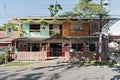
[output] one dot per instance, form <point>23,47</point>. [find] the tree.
<point>54,8</point>
<point>85,9</point>
<point>4,26</point>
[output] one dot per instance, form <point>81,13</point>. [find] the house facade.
<point>41,38</point>
<point>6,42</point>
<point>6,39</point>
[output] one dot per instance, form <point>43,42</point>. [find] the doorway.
<point>92,47</point>
<point>55,49</point>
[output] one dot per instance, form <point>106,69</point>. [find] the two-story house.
<point>45,37</point>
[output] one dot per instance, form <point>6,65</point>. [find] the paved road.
<point>61,71</point>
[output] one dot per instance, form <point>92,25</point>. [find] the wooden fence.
<point>31,56</point>
<point>42,56</point>
<point>35,56</point>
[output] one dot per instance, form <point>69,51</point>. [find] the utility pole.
<point>100,26</point>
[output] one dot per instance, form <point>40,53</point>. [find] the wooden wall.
<point>66,30</point>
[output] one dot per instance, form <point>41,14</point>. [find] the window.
<point>33,46</point>
<point>94,27</point>
<point>55,29</point>
<point>76,26</point>
<point>77,47</point>
<point>9,29</point>
<point>92,47</point>
<point>34,27</point>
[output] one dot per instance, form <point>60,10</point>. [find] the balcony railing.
<point>34,30</point>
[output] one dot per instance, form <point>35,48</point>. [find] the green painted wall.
<point>44,31</point>
<point>25,28</point>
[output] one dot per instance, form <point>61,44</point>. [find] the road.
<point>61,71</point>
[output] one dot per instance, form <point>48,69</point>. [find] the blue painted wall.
<point>44,31</point>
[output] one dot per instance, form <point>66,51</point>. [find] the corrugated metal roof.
<point>4,38</point>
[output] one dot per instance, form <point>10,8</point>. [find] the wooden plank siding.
<point>66,30</point>
<point>85,29</point>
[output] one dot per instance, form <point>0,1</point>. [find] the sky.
<point>19,8</point>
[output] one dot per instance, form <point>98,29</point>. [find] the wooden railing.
<point>31,56</point>
<point>42,56</point>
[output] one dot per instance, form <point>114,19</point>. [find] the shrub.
<point>2,58</point>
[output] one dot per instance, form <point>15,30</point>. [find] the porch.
<point>85,47</point>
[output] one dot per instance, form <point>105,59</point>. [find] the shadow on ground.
<point>116,77</point>
<point>36,73</point>
<point>48,72</point>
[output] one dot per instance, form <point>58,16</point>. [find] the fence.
<point>41,56</point>
<point>31,56</point>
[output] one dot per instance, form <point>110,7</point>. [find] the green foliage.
<point>19,63</point>
<point>4,26</point>
<point>54,9</point>
<point>22,32</point>
<point>86,1</point>
<point>5,55</point>
<point>69,14</point>
<point>86,9</point>
<point>2,58</point>
<point>96,63</point>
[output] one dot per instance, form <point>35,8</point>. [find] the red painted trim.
<point>4,44</point>
<point>63,54</point>
<point>48,54</point>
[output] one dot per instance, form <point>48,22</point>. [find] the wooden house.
<point>41,38</point>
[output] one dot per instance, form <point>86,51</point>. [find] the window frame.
<point>77,46</point>
<point>76,26</point>
<point>31,29</point>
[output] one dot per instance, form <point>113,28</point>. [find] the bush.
<point>2,58</point>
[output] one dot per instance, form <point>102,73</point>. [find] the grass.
<point>97,63</point>
<point>19,63</point>
<point>88,63</point>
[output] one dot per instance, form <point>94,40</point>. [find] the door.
<point>55,49</point>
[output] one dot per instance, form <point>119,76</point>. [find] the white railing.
<point>31,56</point>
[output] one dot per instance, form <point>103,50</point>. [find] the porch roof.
<point>60,38</point>
<point>29,39</point>
<point>5,39</point>
<point>56,38</point>
<point>84,38</point>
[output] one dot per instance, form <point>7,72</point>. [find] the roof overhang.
<point>107,22</point>
<point>28,39</point>
<point>5,42</point>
